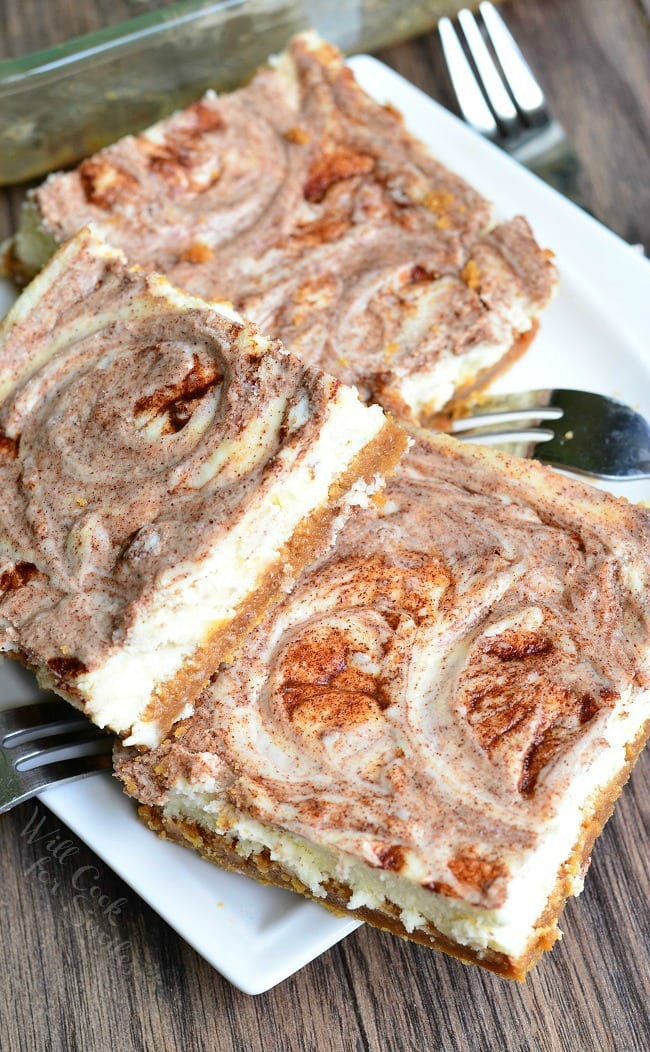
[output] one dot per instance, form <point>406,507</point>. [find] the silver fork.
<point>499,97</point>
<point>44,744</point>
<point>582,432</point>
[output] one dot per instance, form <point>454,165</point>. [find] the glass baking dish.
<point>65,102</point>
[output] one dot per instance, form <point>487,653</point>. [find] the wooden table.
<point>62,990</point>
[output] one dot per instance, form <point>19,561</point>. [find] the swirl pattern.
<point>138,425</point>
<point>329,225</point>
<point>421,697</point>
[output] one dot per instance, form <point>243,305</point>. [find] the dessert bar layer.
<point>165,471</point>
<point>315,211</point>
<point>432,728</point>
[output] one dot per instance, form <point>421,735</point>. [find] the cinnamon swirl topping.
<point>427,695</point>
<point>313,209</point>
<point>144,430</point>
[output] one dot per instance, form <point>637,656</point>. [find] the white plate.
<point>595,336</point>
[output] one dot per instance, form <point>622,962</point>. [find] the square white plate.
<point>595,336</point>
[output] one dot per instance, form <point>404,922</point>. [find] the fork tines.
<point>46,743</point>
<point>580,431</point>
<point>494,85</point>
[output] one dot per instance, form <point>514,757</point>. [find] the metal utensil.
<point>499,97</point>
<point>582,432</point>
<point>44,744</point>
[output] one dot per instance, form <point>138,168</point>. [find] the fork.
<point>500,98</point>
<point>32,738</point>
<point>578,431</point>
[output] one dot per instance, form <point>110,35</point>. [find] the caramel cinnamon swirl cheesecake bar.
<point>430,731</point>
<point>315,211</point>
<point>165,471</point>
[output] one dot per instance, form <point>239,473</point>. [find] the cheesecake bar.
<point>431,730</point>
<point>315,211</point>
<point>165,472</point>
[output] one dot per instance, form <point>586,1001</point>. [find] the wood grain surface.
<point>74,980</point>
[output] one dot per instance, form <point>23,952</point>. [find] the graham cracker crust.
<point>215,848</point>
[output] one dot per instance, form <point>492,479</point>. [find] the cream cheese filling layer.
<point>203,596</point>
<point>509,929</point>
<point>430,390</point>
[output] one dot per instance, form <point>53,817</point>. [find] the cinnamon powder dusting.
<point>66,668</point>
<point>391,858</point>
<point>179,400</point>
<point>332,166</point>
<point>8,446</point>
<point>17,576</point>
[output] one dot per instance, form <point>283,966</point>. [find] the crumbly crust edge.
<point>443,418</point>
<point>217,849</point>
